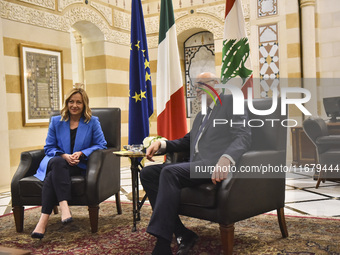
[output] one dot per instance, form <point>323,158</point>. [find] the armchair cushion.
<point>78,186</point>
<point>31,186</point>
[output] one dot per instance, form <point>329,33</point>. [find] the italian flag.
<point>171,116</point>
<point>235,51</point>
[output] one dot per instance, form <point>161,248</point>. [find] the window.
<point>199,56</point>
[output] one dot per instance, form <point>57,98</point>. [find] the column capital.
<point>78,37</point>
<point>304,3</point>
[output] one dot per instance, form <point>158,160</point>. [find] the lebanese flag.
<point>171,116</point>
<point>235,51</point>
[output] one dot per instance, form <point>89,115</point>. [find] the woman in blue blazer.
<point>71,138</point>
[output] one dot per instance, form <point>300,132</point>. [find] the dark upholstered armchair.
<point>327,148</point>
<point>102,178</point>
<point>244,195</point>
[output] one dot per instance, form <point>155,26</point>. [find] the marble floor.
<point>302,198</point>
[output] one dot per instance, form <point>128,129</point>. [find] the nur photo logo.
<point>287,95</point>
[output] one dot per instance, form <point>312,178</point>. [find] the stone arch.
<point>77,13</point>
<point>89,30</point>
<point>187,26</point>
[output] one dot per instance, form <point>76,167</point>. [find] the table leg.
<point>135,188</point>
<point>137,205</point>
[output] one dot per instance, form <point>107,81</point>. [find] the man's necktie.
<point>200,130</point>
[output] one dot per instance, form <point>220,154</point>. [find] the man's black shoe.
<point>162,247</point>
<point>186,243</point>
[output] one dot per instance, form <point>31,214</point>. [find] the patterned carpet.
<point>258,235</point>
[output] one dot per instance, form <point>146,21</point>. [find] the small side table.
<point>136,167</point>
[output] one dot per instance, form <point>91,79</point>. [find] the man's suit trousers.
<point>57,184</point>
<point>163,184</point>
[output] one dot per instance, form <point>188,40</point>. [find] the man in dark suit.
<point>219,145</point>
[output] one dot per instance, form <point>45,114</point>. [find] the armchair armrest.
<point>29,163</point>
<point>323,143</point>
<point>261,164</point>
<point>176,157</point>
<point>246,194</point>
<point>103,175</point>
<point>328,140</point>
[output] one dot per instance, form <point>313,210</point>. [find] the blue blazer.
<point>89,138</point>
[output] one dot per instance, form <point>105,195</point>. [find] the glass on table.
<point>136,147</point>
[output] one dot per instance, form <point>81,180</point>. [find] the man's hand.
<point>221,170</point>
<point>153,148</point>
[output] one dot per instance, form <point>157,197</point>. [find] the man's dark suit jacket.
<point>215,141</point>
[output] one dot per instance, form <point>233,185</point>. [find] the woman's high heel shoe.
<point>66,221</point>
<point>37,235</point>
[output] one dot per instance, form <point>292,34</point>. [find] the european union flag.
<point>140,94</point>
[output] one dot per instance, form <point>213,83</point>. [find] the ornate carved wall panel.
<point>180,14</point>
<point>152,41</point>
<point>187,22</point>
<point>71,11</point>
<point>62,4</point>
<point>152,25</point>
<point>42,3</point>
<point>215,11</point>
<point>212,25</point>
<point>104,10</point>
<point>269,58</point>
<point>63,23</point>
<point>122,20</point>
<point>31,16</point>
<point>266,8</point>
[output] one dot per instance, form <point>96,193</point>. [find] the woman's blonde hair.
<point>65,112</point>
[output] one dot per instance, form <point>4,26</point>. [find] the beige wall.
<point>328,50</point>
<point>328,38</point>
<point>118,82</point>
<point>22,138</point>
<point>4,134</point>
